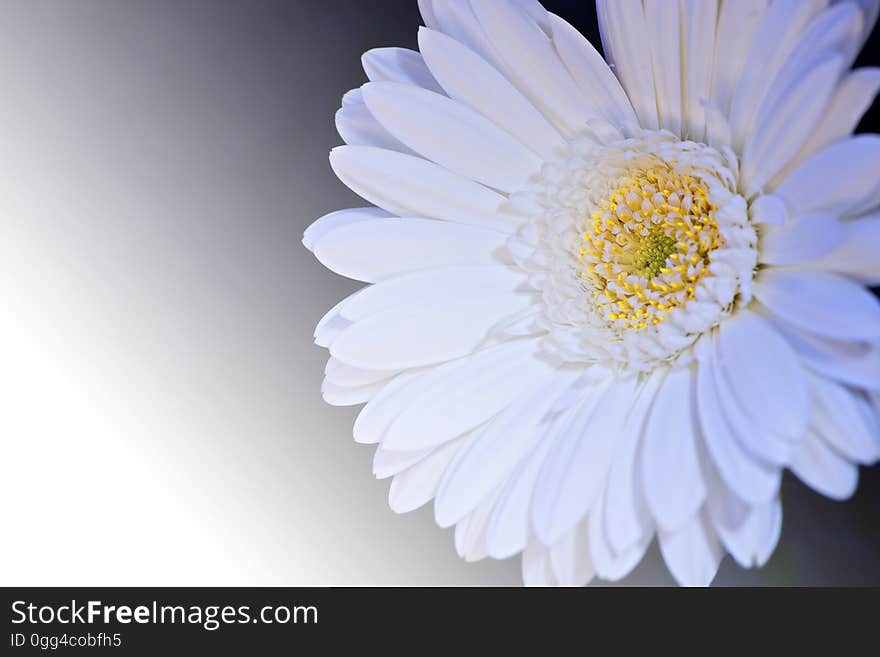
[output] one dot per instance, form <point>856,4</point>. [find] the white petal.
<point>844,419</point>
<point>536,566</point>
<point>472,145</point>
<point>737,22</point>
<point>508,529</point>
<point>849,362</point>
<point>410,186</point>
<point>768,209</point>
<point>821,303</point>
<point>592,74</point>
<point>530,58</point>
<point>805,240</point>
<point>456,19</point>
<point>388,463</point>
<point>382,248</point>
<point>626,43</point>
<point>334,220</point>
<point>417,484</point>
<point>824,470</point>
<point>837,178</point>
<point>856,256</point>
<point>576,470</point>
<point>749,533</point>
<point>627,519</point>
<point>692,553</point>
<point>398,65</point>
<point>401,338</point>
<point>785,122</point>
<point>764,374</point>
<point>752,480</point>
<point>666,45</point>
<point>332,324</point>
<point>609,564</point>
<point>336,395</point>
<point>470,533</point>
<point>461,398</point>
<point>673,482</point>
<point>426,9</point>
<point>850,101</point>
<point>508,439</point>
<point>375,418</point>
<point>570,558</point>
<point>345,375</point>
<point>775,37</point>
<point>433,286</point>
<point>358,127</point>
<point>699,27</point>
<point>467,77</point>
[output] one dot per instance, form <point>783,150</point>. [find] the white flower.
<point>611,305</point>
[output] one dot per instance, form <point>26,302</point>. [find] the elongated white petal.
<point>410,186</point>
<point>610,564</point>
<point>508,439</point>
<point>530,59</point>
<point>806,240</point>
<point>824,470</point>
<point>848,362</point>
<point>374,419</point>
<point>749,533</point>
<point>358,127</point>
<point>432,286</point>
<point>626,41</point>
<point>576,470</point>
<point>753,481</point>
<point>418,484</point>
<point>465,396</point>
<point>666,43</point>
<point>674,484</point>
<point>592,74</point>
<point>382,248</point>
<point>854,162</point>
<point>822,303</point>
<point>334,220</point>
<point>775,37</point>
<point>784,123</point>
<point>472,145</point>
<point>628,520</point>
<point>699,22</point>
<point>856,255</point>
<point>388,463</point>
<point>537,569</point>
<point>398,65</point>
<point>337,395</point>
<point>851,99</point>
<point>845,420</point>
<point>692,552</point>
<point>426,9</point>
<point>764,374</point>
<point>401,338</point>
<point>345,375</point>
<point>470,533</point>
<point>332,324</point>
<point>570,558</point>
<point>737,22</point>
<point>508,529</point>
<point>469,78</point>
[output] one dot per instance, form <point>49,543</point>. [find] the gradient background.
<point>161,416</point>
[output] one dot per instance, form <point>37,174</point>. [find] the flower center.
<point>647,245</point>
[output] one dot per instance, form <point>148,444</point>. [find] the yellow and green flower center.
<point>647,245</point>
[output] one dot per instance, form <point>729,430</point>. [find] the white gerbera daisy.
<point>608,306</point>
